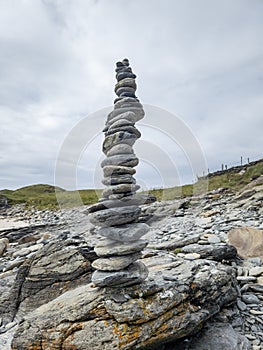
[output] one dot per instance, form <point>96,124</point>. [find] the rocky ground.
<point>44,254</point>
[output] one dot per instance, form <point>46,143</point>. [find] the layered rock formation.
<point>174,302</point>
<point>118,210</point>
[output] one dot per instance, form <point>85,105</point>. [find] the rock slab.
<point>172,303</point>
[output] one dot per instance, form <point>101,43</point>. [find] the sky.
<point>199,67</point>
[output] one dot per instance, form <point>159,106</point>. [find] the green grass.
<point>49,197</point>
<point>46,196</point>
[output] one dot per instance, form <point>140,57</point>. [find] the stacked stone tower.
<point>118,210</point>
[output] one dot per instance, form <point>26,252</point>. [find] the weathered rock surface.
<point>220,336</point>
<point>248,241</point>
<point>171,304</point>
<point>54,269</point>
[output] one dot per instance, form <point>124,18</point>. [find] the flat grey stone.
<point>111,170</point>
<point>121,122</point>
<point>129,160</point>
<point>122,75</point>
<point>125,233</point>
<point>117,138</point>
<point>130,129</point>
<point>121,188</point>
<point>241,305</point>
<point>109,247</point>
<point>121,179</point>
<point>115,263</point>
<point>136,199</point>
<point>115,216</point>
<point>128,82</point>
<point>123,91</point>
<point>139,113</point>
<point>250,299</point>
<point>121,148</point>
<point>133,274</point>
<point>128,102</point>
<point>128,115</point>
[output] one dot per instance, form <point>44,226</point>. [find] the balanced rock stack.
<point>118,210</point>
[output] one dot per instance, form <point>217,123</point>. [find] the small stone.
<point>115,263</point>
<point>123,75</point>
<point>121,179</point>
<point>245,279</point>
<point>125,233</point>
<point>128,82</point>
<point>121,122</point>
<point>125,91</point>
<point>120,188</point>
<point>256,271</point>
<point>4,243</point>
<point>241,305</point>
<point>111,170</point>
<point>128,102</point>
<point>214,239</point>
<point>109,247</point>
<point>128,160</point>
<point>130,129</point>
<point>256,312</point>
<point>135,199</point>
<point>250,299</point>
<point>127,113</point>
<point>121,148</point>
<point>115,216</point>
<point>120,137</point>
<point>192,256</point>
<point>133,274</point>
<point>260,280</point>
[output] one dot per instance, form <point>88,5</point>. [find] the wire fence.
<point>238,165</point>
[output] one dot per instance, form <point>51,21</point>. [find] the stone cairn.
<point>118,210</point>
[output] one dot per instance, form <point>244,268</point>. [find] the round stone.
<point>115,216</point>
<point>121,122</point>
<point>123,69</point>
<point>117,138</point>
<point>123,75</point>
<point>139,113</point>
<point>115,263</point>
<point>109,247</point>
<point>128,115</point>
<point>111,170</point>
<point>119,64</point>
<point>133,274</point>
<point>127,94</point>
<point>130,129</point>
<point>121,148</point>
<point>125,233</point>
<point>121,188</point>
<point>121,179</point>
<point>128,82</point>
<point>128,160</point>
<point>125,61</point>
<point>127,89</point>
<point>128,102</point>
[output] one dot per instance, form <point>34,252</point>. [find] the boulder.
<point>174,302</point>
<point>226,338</point>
<point>4,242</point>
<point>248,241</point>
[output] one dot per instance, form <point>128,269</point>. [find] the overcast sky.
<point>199,60</point>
